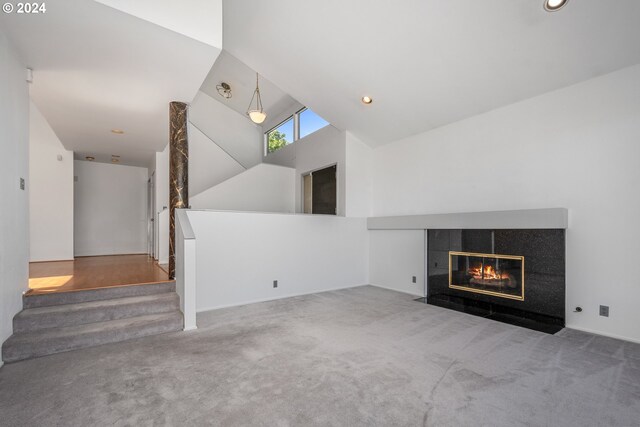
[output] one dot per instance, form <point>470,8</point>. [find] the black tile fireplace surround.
<point>516,276</point>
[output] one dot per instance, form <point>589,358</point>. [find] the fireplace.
<point>512,275</point>
<point>490,274</point>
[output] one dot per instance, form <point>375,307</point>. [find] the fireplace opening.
<point>489,274</point>
<point>483,272</point>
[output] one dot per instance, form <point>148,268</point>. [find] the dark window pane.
<point>324,190</point>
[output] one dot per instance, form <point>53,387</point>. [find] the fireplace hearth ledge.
<point>550,218</point>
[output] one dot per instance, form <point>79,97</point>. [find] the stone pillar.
<point>178,173</point>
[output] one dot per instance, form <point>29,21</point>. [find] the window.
<point>280,136</point>
<point>299,125</point>
<point>310,122</point>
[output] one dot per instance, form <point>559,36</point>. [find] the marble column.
<point>178,173</point>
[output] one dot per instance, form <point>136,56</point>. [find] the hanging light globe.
<point>255,111</point>
<point>257,116</point>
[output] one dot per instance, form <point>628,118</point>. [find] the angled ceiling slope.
<point>426,63</point>
<point>97,68</point>
<point>198,19</point>
<point>242,80</point>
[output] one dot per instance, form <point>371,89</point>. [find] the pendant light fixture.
<point>554,5</point>
<point>257,114</point>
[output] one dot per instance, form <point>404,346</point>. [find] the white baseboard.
<point>217,307</point>
<point>52,260</point>
<point>604,334</point>
<point>93,254</point>
<point>398,290</point>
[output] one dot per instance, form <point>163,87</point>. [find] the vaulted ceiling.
<point>116,64</point>
<point>98,68</point>
<point>242,80</point>
<point>426,63</point>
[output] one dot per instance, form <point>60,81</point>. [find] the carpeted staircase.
<point>66,321</point>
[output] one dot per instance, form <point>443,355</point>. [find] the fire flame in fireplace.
<point>490,274</point>
<point>487,273</point>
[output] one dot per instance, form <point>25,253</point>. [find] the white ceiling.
<point>198,19</point>
<point>242,80</point>
<point>97,68</point>
<point>426,63</point>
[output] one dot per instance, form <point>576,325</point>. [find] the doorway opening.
<point>320,191</point>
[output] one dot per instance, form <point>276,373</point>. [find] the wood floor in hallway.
<point>93,273</point>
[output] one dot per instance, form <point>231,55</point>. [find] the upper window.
<point>310,122</point>
<point>280,135</point>
<point>299,125</point>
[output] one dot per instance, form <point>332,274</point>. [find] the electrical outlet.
<point>275,283</point>
<point>414,279</point>
<point>604,310</point>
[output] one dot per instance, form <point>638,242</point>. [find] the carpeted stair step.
<point>56,340</point>
<point>60,298</point>
<point>34,319</point>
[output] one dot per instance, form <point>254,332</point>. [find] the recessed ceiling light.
<point>114,160</point>
<point>90,158</point>
<point>553,5</point>
<point>367,100</point>
<point>117,131</point>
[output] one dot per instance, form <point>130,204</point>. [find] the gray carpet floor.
<point>358,357</point>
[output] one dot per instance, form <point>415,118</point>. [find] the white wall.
<point>162,254</point>
<point>233,132</point>
<point>358,177</point>
<point>238,255</point>
<point>263,188</point>
<point>576,148</point>
<point>161,223</point>
<point>110,209</point>
<point>395,257</point>
<point>50,192</point>
<point>209,165</point>
<point>162,179</point>
<point>14,211</point>
<point>318,150</point>
<point>185,274</point>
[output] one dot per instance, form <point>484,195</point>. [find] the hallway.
<point>93,273</point>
